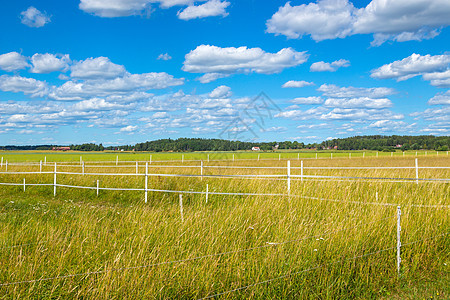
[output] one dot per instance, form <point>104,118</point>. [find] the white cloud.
<point>164,56</point>
<point>322,20</point>
<point>312,113</point>
<point>32,17</point>
<point>125,8</point>
<point>332,90</point>
<point>387,124</point>
<point>114,8</point>
<point>329,67</point>
<point>13,61</point>
<point>129,128</point>
<point>307,100</point>
<point>362,102</point>
<point>208,9</point>
<point>441,114</point>
<point>97,104</point>
<point>210,77</point>
<point>360,114</point>
<point>397,20</point>
<point>28,86</point>
<point>296,84</point>
<point>442,98</point>
<point>46,63</point>
<point>222,91</point>
<point>435,68</point>
<point>128,84</point>
<point>231,60</point>
<point>96,68</point>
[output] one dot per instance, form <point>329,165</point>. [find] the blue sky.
<point>127,71</point>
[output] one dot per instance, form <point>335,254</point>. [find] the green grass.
<point>77,232</point>
<point>52,156</point>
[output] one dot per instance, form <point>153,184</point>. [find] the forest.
<point>372,142</point>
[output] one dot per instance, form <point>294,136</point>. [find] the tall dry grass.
<point>143,250</point>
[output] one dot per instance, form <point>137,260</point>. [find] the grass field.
<point>115,246</point>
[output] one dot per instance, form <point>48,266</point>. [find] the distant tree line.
<point>387,143</point>
<point>372,142</point>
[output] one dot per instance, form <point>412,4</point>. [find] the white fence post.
<point>377,154</point>
<point>399,243</point>
<point>403,153</point>
<point>201,170</point>
<point>331,155</point>
<point>6,166</point>
<point>376,196</point>
<point>289,176</point>
<point>146,181</point>
<point>207,190</point>
<point>1,165</point>
<point>258,157</point>
<point>316,156</point>
<point>208,157</point>
<point>40,166</point>
<point>426,153</point>
<point>417,172</point>
<point>233,157</point>
<point>137,168</point>
<point>54,181</point>
<point>349,155</point>
<point>437,153</point>
<point>117,160</point>
<point>98,185</point>
<point>45,161</point>
<point>181,207</point>
<point>83,167</point>
<point>364,154</point>
<point>279,156</point>
<point>298,156</point>
<point>24,184</point>
<point>301,170</point>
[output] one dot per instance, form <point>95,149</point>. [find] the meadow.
<point>326,239</point>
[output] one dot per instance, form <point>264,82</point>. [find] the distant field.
<point>331,239</point>
<point>36,156</point>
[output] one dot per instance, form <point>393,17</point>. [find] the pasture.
<point>330,234</point>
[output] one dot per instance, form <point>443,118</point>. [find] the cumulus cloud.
<point>231,60</point>
<point>360,114</point>
<point>47,63</point>
<point>127,84</point>
<point>208,9</point>
<point>332,90</point>
<point>114,8</point>
<point>210,77</point>
<point>307,100</point>
<point>13,61</point>
<point>125,8</point>
<point>32,17</point>
<point>296,84</point>
<point>329,67</point>
<point>164,56</point>
<point>435,69</point>
<point>440,99</point>
<point>222,91</point>
<point>397,20</point>
<point>361,102</point>
<point>96,68</point>
<point>28,86</point>
<point>98,104</point>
